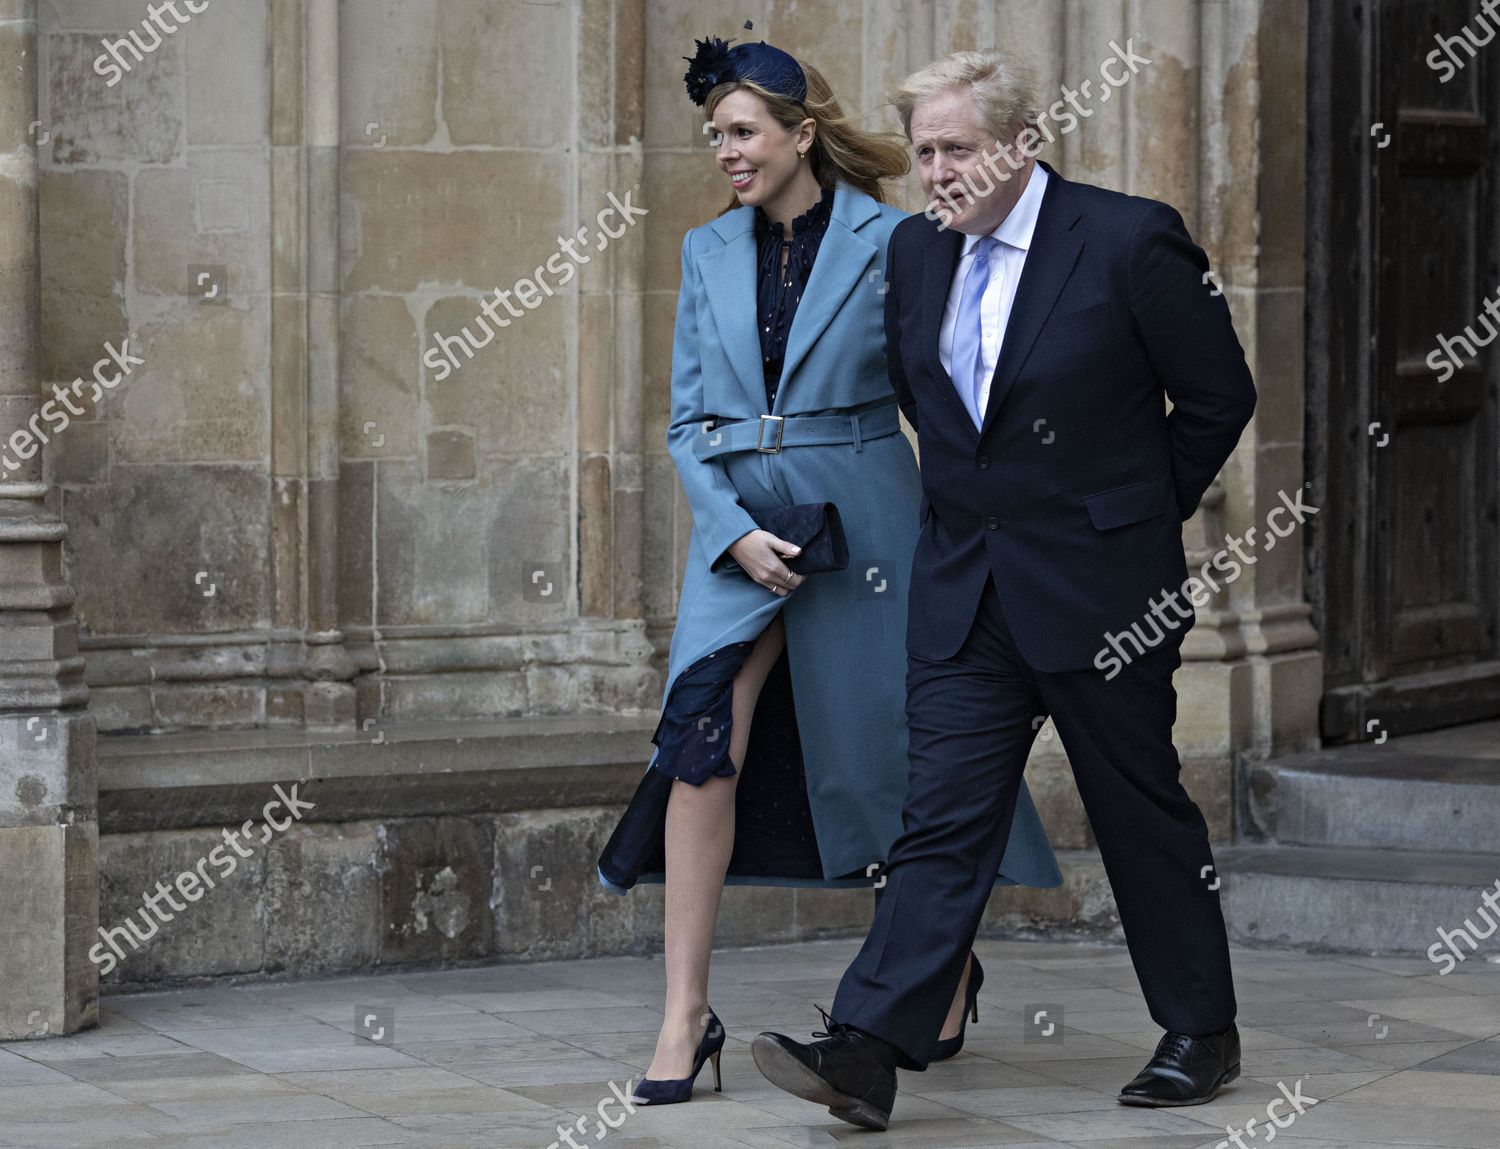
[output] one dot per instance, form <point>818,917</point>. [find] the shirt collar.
<point>1018,227</point>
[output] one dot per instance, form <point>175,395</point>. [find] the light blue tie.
<point>968,330</point>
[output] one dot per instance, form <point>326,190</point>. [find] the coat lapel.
<point>1049,261</point>
<point>728,275</point>
<point>841,262</point>
<point>937,280</point>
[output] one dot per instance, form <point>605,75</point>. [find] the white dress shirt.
<point>1006,261</point>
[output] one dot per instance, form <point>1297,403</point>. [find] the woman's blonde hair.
<point>839,149</point>
<point>1003,89</point>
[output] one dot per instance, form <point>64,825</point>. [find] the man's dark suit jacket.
<point>1074,491</point>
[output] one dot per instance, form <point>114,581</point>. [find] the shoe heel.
<point>718,1081</point>
<point>1234,1071</point>
<point>974,1010</point>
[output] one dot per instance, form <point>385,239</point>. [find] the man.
<point>1035,330</point>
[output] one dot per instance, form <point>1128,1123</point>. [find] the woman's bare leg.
<point>956,1010</point>
<point>699,840</point>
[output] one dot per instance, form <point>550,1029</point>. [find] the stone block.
<point>819,913</point>
<point>474,219</point>
<point>512,390</point>
<point>220,932</point>
<point>1213,707</point>
<point>84,223</point>
<point>1082,906</point>
<point>322,899</point>
<point>49,986</point>
<point>1050,779</point>
<point>227,95</point>
<point>213,213</point>
<point>435,883</point>
<point>672,121</point>
<point>200,395</point>
<point>81,456</point>
<point>379,406</point>
<point>213,706</point>
<point>756,915</point>
<point>136,120</point>
<point>1210,783</point>
<point>135,548</point>
<point>660,565</point>
<point>450,456</point>
<point>698,191</point>
<point>450,556</point>
<point>484,75</point>
<point>47,769</point>
<point>547,897</point>
<point>388,60</point>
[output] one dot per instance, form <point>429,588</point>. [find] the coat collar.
<point>1050,259</point>
<point>728,275</point>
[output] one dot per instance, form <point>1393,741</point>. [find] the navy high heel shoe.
<point>947,1047</point>
<point>669,1091</point>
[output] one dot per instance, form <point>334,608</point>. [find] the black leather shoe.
<point>841,1072</point>
<point>1186,1070</point>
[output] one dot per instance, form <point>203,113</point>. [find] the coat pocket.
<point>1129,504</point>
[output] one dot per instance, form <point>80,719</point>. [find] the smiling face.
<point>959,158</point>
<point>756,154</point>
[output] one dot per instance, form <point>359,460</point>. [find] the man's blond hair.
<point>1003,89</point>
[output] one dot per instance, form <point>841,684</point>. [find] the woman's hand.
<point>759,555</point>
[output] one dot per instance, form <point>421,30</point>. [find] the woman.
<point>780,397</point>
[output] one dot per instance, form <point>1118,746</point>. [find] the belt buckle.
<point>760,434</point>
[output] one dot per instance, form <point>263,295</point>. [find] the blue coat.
<point>845,630</point>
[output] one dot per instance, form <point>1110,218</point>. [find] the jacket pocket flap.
<point>1130,504</point>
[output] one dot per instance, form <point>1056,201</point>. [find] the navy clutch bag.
<point>815,527</point>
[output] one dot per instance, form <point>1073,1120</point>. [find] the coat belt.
<point>770,433</point>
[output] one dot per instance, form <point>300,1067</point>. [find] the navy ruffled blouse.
<point>778,292</point>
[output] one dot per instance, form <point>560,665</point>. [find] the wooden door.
<point>1402,444</point>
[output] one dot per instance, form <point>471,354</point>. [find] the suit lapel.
<point>728,275</point>
<point>840,264</point>
<point>1049,261</point>
<point>937,280</point>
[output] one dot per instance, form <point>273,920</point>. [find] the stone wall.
<point>296,515</point>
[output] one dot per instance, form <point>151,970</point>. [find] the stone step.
<point>1360,900</point>
<point>1437,791</point>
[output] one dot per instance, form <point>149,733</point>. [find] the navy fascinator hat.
<point>717,63</point>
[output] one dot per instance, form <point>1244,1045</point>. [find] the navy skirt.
<point>774,838</point>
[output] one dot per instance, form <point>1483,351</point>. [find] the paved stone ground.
<point>498,1057</point>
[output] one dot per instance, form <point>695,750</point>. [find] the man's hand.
<point>759,555</point>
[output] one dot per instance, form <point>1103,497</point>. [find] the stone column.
<point>611,318</point>
<point>49,832</point>
<point>1254,212</point>
<point>305,445</point>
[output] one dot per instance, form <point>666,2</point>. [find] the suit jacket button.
<point>984,462</point>
<point>992,523</point>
